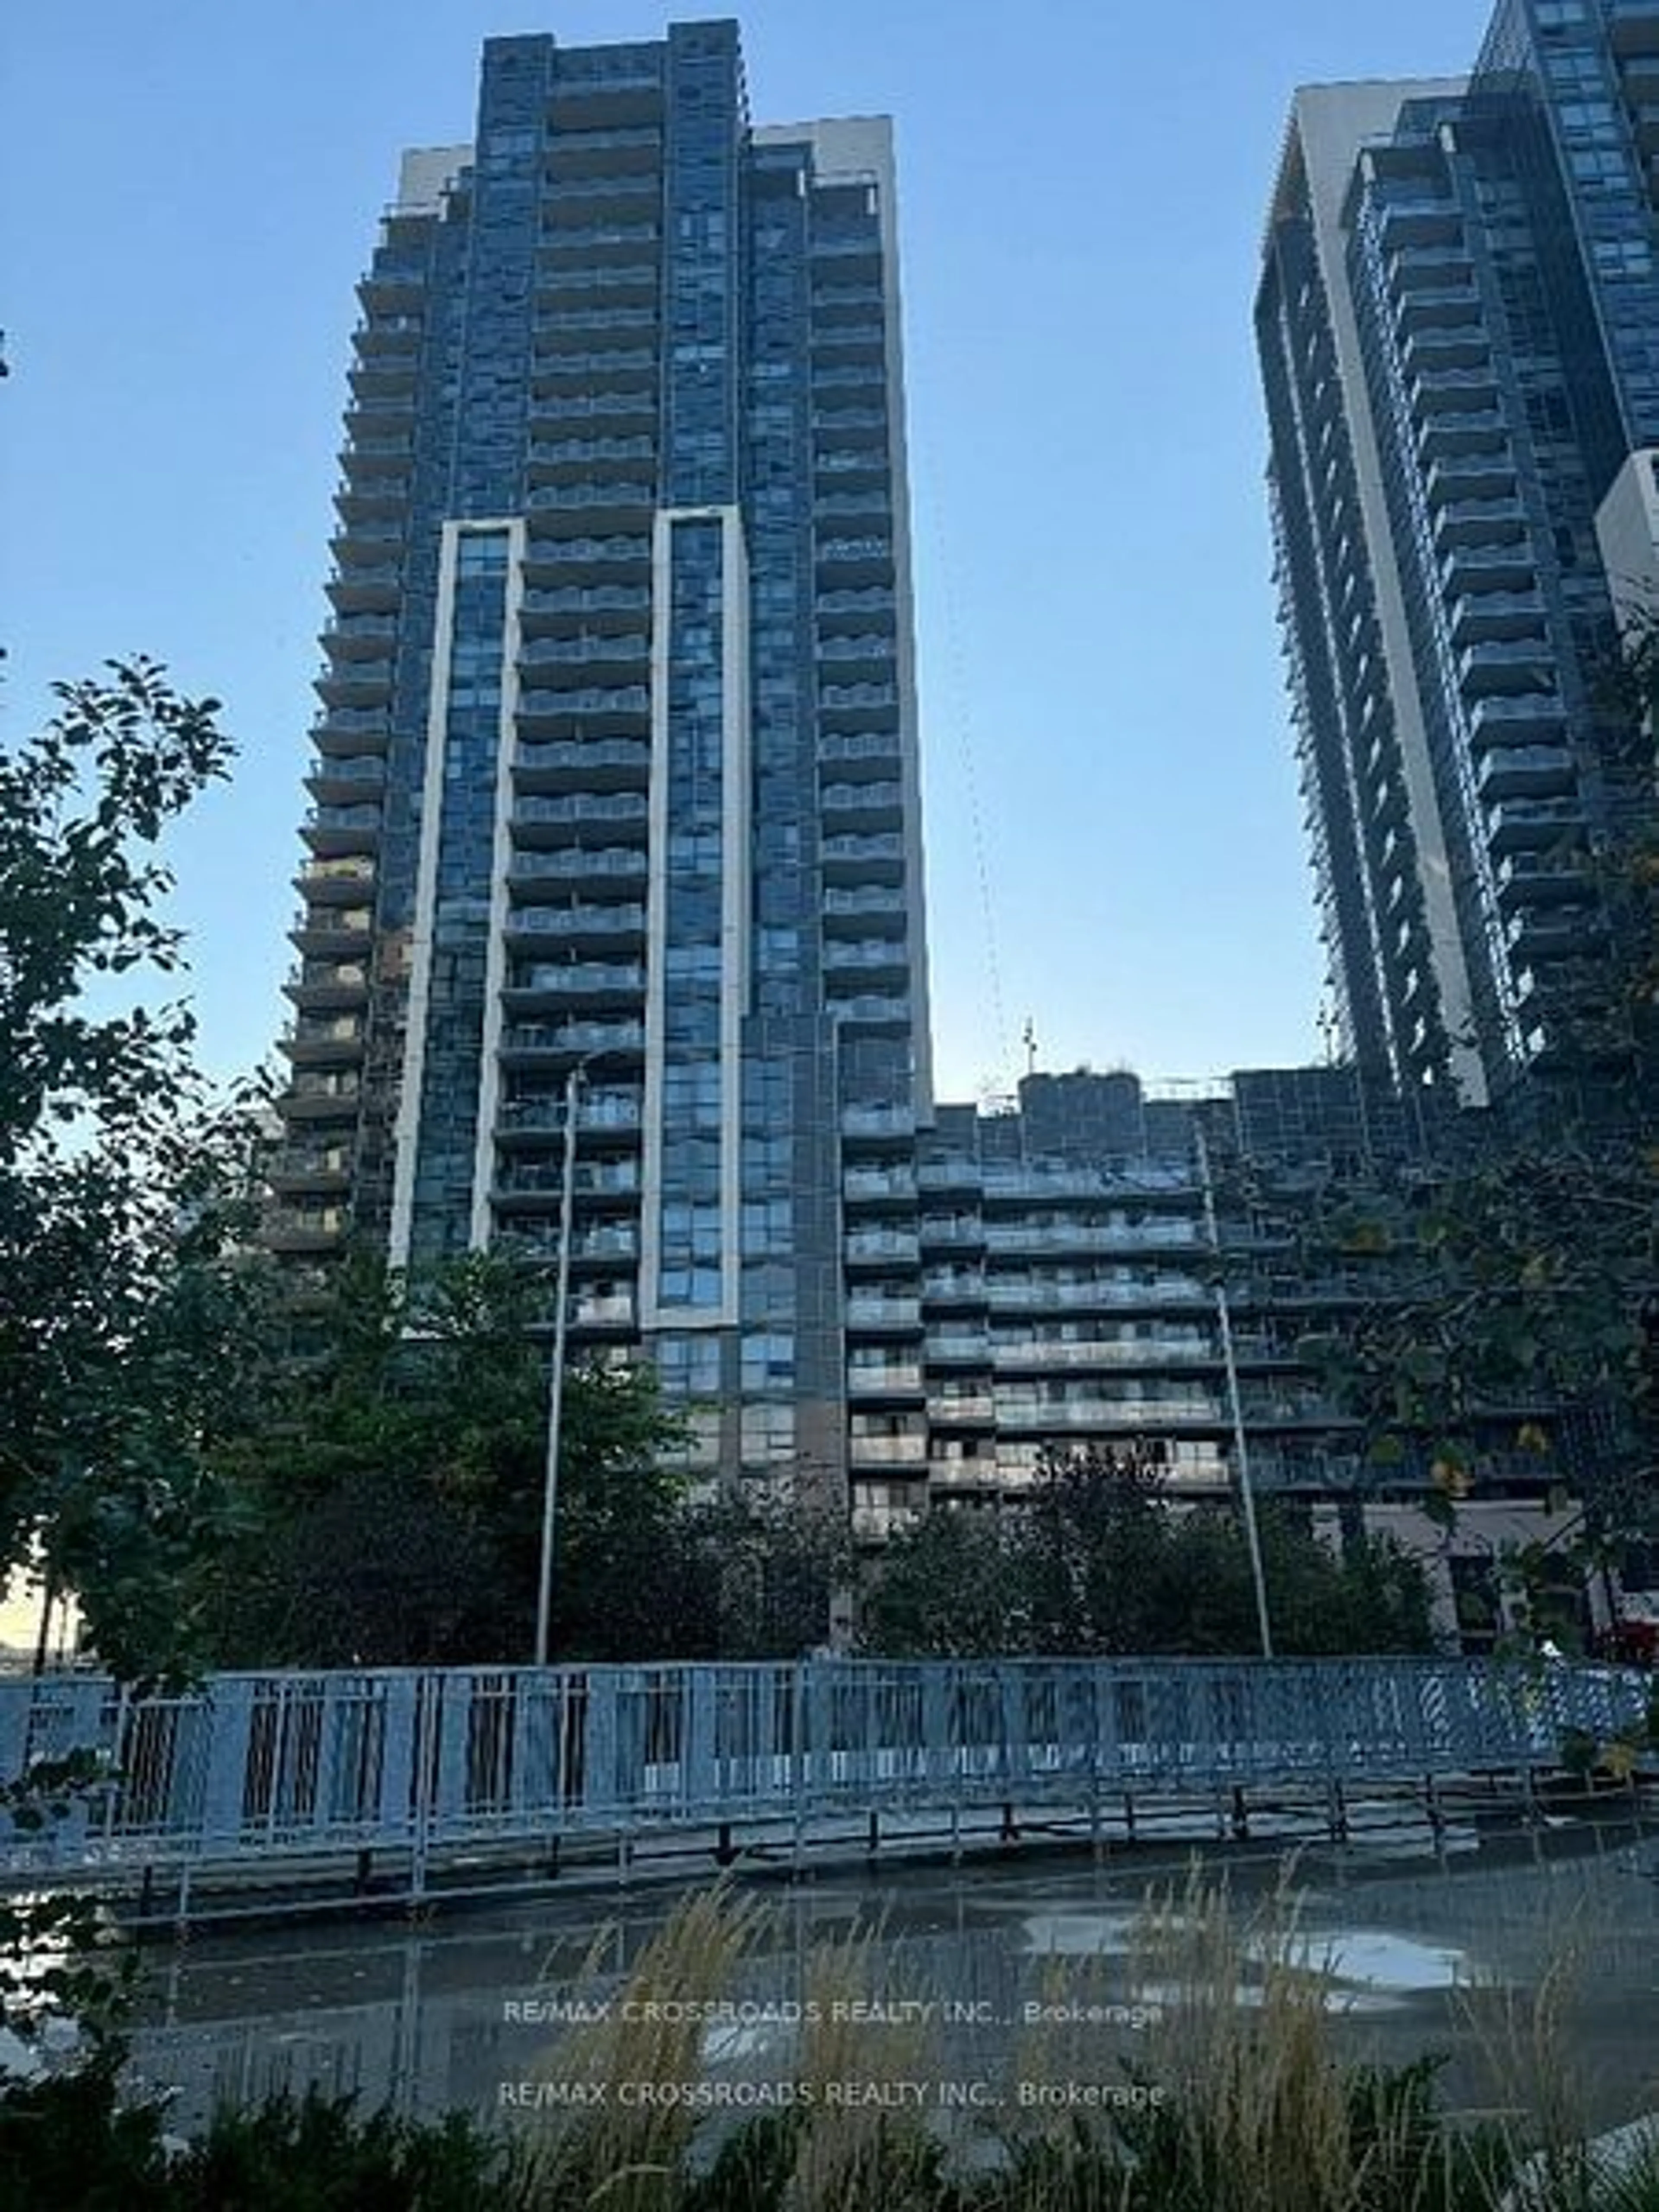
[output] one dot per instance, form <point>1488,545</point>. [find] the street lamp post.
<point>573,1082</point>
<point>1236,1404</point>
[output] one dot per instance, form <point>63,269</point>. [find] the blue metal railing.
<point>250,1767</point>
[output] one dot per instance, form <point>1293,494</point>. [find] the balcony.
<point>1564,934</point>
<point>361,683</point>
<point>359,637</point>
<point>1432,346</point>
<point>868,1310</point>
<point>338,830</point>
<point>857,914</point>
<point>321,1168</point>
<point>876,756</point>
<point>564,764</point>
<point>614,709</point>
<point>1516,719</point>
<point>1525,772</point>
<point>1452,390</point>
<point>1472,430</point>
<point>347,882</point>
<point>1514,825</point>
<point>857,656</point>
<point>597,283</point>
<point>878,1187</point>
<point>607,1312</point>
<point>391,343</point>
<point>579,244</point>
<point>562,332</point>
<point>565,865</point>
<point>881,1452</point>
<point>300,1229</point>
<point>898,1379</point>
<point>394,289</point>
<point>593,410</point>
<point>1525,879</point>
<point>1475,570</point>
<point>841,610</point>
<point>957,1347</point>
<point>319,1094</point>
<point>865,1247</point>
<point>621,370</point>
<point>1469,475</point>
<point>848,708</point>
<point>1413,220</point>
<point>1479,522</point>
<point>1023,1294</point>
<point>890,1015</point>
<point>314,1040</point>
<point>546,987</point>
<point>624,505</point>
<point>1432,268</point>
<point>571,610</point>
<point>1057,1234</point>
<point>598,926</point>
<point>975,1409</point>
<point>382,500</point>
<point>316,985</point>
<point>529,1043</point>
<point>538,1116</point>
<point>331,930</point>
<point>1479,618</point>
<point>1518,667</point>
<point>1438,307</point>
<point>340,781</point>
<point>843,562</point>
<point>623,556</point>
<point>873,859</point>
<point>850,807</point>
<point>370,587</point>
<point>615,653</point>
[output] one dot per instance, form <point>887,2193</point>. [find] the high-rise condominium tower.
<point>616,761</point>
<point>1458,323</point>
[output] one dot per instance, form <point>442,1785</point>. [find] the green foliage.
<point>394,1494</point>
<point>1100,1564</point>
<point>947,1588</point>
<point>68,2141</point>
<point>318,2154</point>
<point>1511,1327</point>
<point>126,1292</point>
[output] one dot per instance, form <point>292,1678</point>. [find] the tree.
<point>124,1283</point>
<point>947,1588</point>
<point>769,1558</point>
<point>395,1490</point>
<point>1102,1562</point>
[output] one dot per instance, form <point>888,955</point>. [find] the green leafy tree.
<point>125,1285</point>
<point>948,1587</point>
<point>395,1492</point>
<point>768,1559</point>
<point>1103,1563</point>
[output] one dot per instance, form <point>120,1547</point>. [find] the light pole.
<point>1236,1405</point>
<point>573,1083</point>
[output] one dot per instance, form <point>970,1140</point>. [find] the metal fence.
<point>252,1768</point>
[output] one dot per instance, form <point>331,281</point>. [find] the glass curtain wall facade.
<point>615,768</point>
<point>1462,278</point>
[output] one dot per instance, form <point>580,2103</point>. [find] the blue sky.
<point>1114,841</point>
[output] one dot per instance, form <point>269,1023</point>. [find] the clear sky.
<point>1113,830</point>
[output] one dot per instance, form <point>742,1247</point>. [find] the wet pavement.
<point>1443,1950</point>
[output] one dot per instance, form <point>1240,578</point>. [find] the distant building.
<point>1458,325</point>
